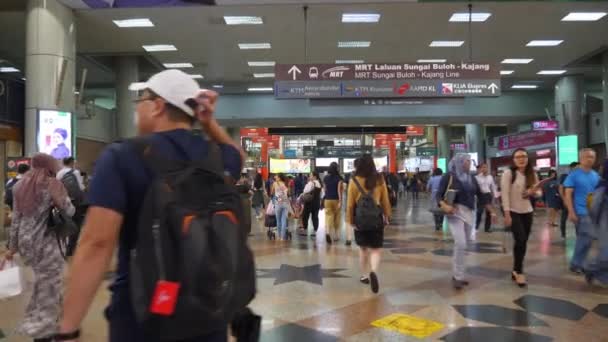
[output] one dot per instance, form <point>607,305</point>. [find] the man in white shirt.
<point>68,166</point>
<point>488,190</point>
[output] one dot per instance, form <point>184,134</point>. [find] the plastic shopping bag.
<point>11,283</point>
<point>270,209</point>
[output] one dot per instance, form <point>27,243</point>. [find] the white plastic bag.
<point>11,281</point>
<point>270,209</point>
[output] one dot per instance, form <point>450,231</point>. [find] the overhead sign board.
<point>546,125</point>
<point>525,139</point>
<point>408,80</point>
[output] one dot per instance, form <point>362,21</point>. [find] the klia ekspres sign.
<point>386,80</point>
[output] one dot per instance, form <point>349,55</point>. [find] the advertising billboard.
<point>290,165</point>
<point>325,162</point>
<point>567,149</point>
<point>54,135</point>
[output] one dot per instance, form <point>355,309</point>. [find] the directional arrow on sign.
<point>294,71</point>
<point>493,87</point>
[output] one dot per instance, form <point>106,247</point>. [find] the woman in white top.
<point>312,190</point>
<point>488,192</point>
<point>518,185</point>
<point>280,197</point>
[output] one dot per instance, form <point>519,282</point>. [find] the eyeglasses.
<point>521,157</point>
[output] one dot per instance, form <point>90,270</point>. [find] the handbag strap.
<point>361,190</point>
<point>445,196</point>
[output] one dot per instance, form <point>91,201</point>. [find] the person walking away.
<point>280,198</point>
<point>518,184</point>
<point>488,192</point>
<point>312,203</point>
<point>597,270</point>
<point>167,108</point>
<point>368,210</point>
<point>299,184</point>
<point>22,169</point>
<point>562,194</point>
<point>34,196</point>
<point>579,185</point>
<point>415,186</point>
<point>258,196</point>
<point>401,186</point>
<point>74,184</point>
<point>552,199</point>
<point>433,188</point>
<point>244,188</point>
<point>333,186</point>
<point>460,211</point>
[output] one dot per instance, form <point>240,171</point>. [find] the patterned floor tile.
<point>499,315</point>
<point>552,307</point>
<point>494,334</point>
<point>295,333</point>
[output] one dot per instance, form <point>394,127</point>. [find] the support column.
<point>474,140</point>
<point>50,64</point>
<point>127,72</point>
<point>605,92</point>
<point>569,104</point>
<point>443,142</point>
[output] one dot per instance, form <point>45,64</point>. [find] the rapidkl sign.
<point>546,125</point>
<point>525,139</point>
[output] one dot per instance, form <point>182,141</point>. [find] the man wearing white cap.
<point>169,105</point>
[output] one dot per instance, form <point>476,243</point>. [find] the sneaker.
<point>576,270</point>
<point>328,239</point>
<point>374,282</point>
<point>364,280</point>
<point>457,284</point>
<point>348,243</point>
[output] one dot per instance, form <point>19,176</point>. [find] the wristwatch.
<point>67,336</point>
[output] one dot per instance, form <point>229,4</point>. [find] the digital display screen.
<point>349,164</point>
<point>55,133</point>
<point>543,163</point>
<point>567,149</point>
<point>325,162</point>
<point>381,162</point>
<point>442,163</point>
<point>290,166</point>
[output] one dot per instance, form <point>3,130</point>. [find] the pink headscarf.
<point>40,178</point>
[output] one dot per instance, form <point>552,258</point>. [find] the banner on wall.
<point>290,166</point>
<point>525,139</point>
<point>415,130</point>
<point>273,141</point>
<point>55,133</point>
<point>253,132</point>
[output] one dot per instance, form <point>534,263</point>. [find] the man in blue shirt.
<point>169,105</point>
<point>579,185</point>
<point>562,194</point>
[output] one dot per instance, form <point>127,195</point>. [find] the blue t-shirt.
<point>121,181</point>
<point>331,187</point>
<point>583,183</point>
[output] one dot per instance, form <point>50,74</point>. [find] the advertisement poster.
<point>567,149</point>
<point>349,164</point>
<point>55,133</point>
<point>290,166</point>
<point>325,162</point>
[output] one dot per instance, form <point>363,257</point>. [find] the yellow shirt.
<point>380,195</point>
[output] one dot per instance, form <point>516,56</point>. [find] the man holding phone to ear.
<point>169,106</point>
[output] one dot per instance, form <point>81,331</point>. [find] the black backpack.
<point>190,233</point>
<point>8,192</point>
<point>70,182</point>
<point>368,214</point>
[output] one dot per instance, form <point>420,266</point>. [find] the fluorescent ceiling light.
<point>9,69</point>
<point>517,61</point>
<point>260,89</point>
<point>366,125</point>
<point>360,17</point>
<point>290,126</point>
<point>254,46</point>
<point>475,17</point>
<point>218,86</point>
<point>584,16</point>
<point>264,75</point>
<point>197,76</point>
<point>243,20</point>
<point>262,64</point>
<point>354,44</point>
<point>159,47</point>
<point>432,60</point>
<point>534,43</point>
<point>140,22</point>
<point>446,43</point>
<point>403,125</point>
<point>524,86</point>
<point>330,126</point>
<point>506,72</point>
<point>552,72</point>
<point>178,65</point>
<point>349,61</point>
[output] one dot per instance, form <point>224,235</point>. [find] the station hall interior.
<point>304,84</point>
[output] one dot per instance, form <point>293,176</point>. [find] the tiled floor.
<point>309,291</point>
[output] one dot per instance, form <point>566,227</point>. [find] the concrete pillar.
<point>605,92</point>
<point>569,107</point>
<point>474,140</point>
<point>50,63</point>
<point>443,142</point>
<point>127,72</point>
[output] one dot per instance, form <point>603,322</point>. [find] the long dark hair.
<point>283,178</point>
<point>258,182</point>
<point>366,168</point>
<point>334,170</point>
<point>437,172</point>
<point>318,177</point>
<point>529,171</point>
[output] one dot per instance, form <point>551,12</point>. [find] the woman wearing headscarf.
<point>459,212</point>
<point>34,197</point>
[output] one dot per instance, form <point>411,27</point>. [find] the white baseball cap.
<point>175,86</point>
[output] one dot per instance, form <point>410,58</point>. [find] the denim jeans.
<point>598,268</point>
<point>282,211</point>
<point>461,232</point>
<point>585,232</point>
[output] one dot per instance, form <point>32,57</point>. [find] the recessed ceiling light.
<point>349,61</point>
<point>218,86</point>
<point>197,76</point>
<point>159,47</point>
<point>524,86</point>
<point>552,72</point>
<point>403,125</point>
<point>432,60</point>
<point>262,64</point>
<point>506,72</point>
<point>446,43</point>
<point>354,44</point>
<point>517,61</point>
<point>254,46</point>
<point>329,126</point>
<point>360,17</point>
<point>137,86</point>
<point>260,89</point>
<point>178,65</point>
<point>366,125</point>
<point>475,17</point>
<point>243,20</point>
<point>76,93</point>
<point>534,43</point>
<point>584,16</point>
<point>140,22</point>
<point>264,75</point>
<point>9,69</point>
<point>290,126</point>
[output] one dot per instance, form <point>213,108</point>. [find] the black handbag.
<point>61,224</point>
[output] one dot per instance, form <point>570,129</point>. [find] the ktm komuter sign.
<point>386,80</point>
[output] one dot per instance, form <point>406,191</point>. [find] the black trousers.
<point>310,210</point>
<point>521,227</point>
<point>563,221</point>
<point>438,221</point>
